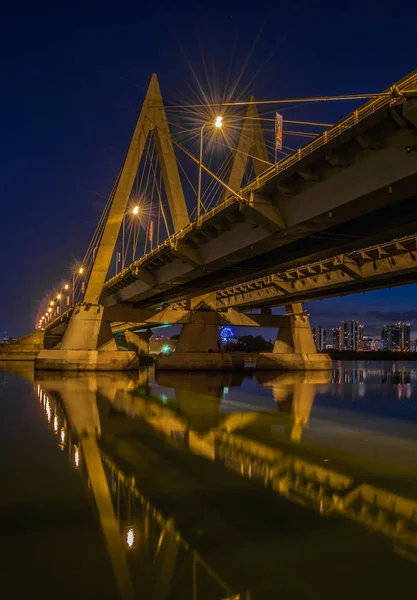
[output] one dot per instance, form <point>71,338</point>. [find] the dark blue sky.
<point>73,81</point>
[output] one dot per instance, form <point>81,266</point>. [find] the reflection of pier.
<point>159,486</point>
<point>134,529</point>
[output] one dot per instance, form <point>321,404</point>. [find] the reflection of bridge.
<point>351,187</point>
<point>174,485</point>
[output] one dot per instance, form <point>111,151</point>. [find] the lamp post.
<point>79,272</point>
<point>218,122</point>
<point>59,297</point>
<point>135,211</point>
<point>66,288</point>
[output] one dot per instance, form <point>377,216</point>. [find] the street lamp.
<point>66,288</point>
<point>79,272</point>
<point>59,297</point>
<point>135,211</point>
<point>218,123</point>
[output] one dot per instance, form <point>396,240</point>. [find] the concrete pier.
<point>294,349</point>
<point>199,347</point>
<point>88,345</point>
<point>25,349</point>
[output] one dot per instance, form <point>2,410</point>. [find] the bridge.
<point>127,442</point>
<point>336,216</point>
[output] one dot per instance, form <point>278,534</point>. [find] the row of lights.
<point>60,429</point>
<point>47,316</point>
<point>129,533</point>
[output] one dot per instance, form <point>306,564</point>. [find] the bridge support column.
<point>88,345</point>
<point>139,343</point>
<point>294,349</point>
<point>199,347</point>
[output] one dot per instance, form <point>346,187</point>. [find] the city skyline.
<point>351,335</point>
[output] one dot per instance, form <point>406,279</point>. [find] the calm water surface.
<point>207,486</point>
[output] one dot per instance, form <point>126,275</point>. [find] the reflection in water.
<point>148,448</point>
<point>398,377</point>
<point>79,404</point>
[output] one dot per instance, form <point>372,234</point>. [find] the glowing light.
<point>56,424</point>
<point>51,303</point>
<point>164,398</point>
<point>49,309</point>
<point>226,334</point>
<point>81,270</point>
<point>76,457</point>
<point>66,286</point>
<point>135,210</point>
<point>218,122</point>
<point>130,537</point>
<point>59,297</point>
<point>62,435</point>
<point>48,411</point>
<point>166,349</point>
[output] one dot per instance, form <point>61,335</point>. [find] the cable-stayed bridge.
<point>293,231</point>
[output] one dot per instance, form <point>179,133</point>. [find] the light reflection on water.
<point>217,478</point>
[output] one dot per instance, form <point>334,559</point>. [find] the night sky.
<point>73,82</point>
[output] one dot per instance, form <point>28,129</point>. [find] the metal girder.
<point>340,272</point>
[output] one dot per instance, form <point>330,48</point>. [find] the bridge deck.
<point>351,187</point>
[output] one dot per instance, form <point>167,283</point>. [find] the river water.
<point>207,486</point>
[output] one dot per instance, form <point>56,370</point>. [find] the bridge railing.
<point>388,97</point>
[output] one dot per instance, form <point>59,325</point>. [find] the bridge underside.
<point>390,264</point>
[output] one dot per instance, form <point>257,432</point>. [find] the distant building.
<point>371,345</point>
<point>368,343</point>
<point>396,337</point>
<point>337,338</point>
<point>319,337</point>
<point>352,335</point>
